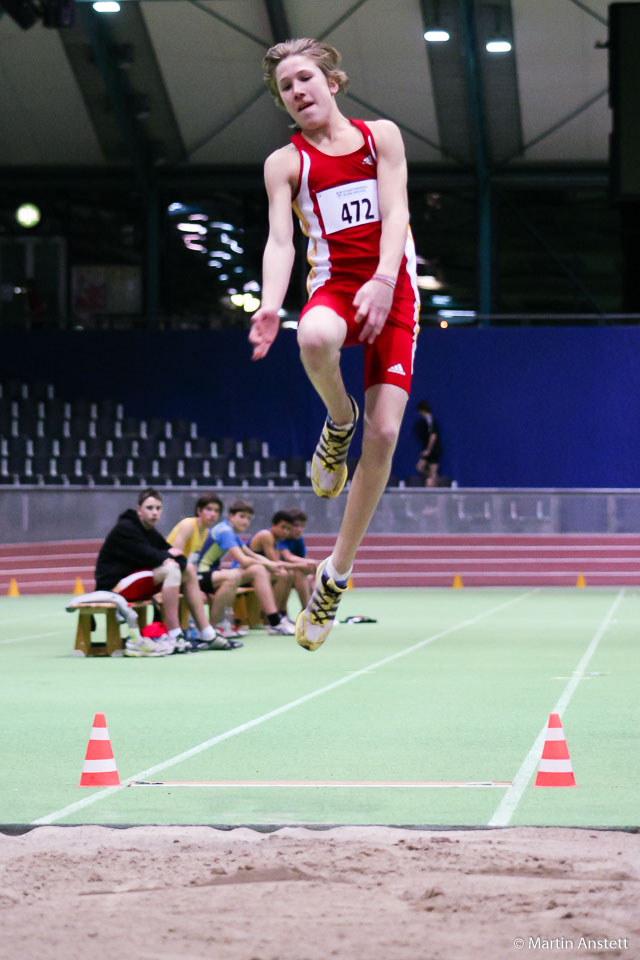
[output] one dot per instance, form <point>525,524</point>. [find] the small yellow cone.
<point>13,588</point>
<point>78,587</point>
<point>580,582</point>
<point>350,583</point>
<point>457,582</point>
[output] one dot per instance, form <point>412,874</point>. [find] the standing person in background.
<point>427,432</point>
<point>347,182</point>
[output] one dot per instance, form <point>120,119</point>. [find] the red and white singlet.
<point>336,202</point>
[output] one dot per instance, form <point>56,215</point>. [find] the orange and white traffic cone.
<point>555,768</point>
<point>99,767</point>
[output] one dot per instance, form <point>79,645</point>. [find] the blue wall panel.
<point>547,407</point>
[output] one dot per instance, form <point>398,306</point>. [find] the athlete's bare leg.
<point>384,408</point>
<point>321,333</point>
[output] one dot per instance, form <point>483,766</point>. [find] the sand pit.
<point>354,893</point>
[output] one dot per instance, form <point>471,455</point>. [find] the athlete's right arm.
<point>279,252</point>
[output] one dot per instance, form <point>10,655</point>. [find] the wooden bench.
<point>247,607</point>
<point>85,646</point>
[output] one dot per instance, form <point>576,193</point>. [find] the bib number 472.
<point>357,211</point>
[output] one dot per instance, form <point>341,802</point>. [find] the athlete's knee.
<point>169,574</point>
<point>259,573</point>
<point>319,344</point>
<point>381,434</point>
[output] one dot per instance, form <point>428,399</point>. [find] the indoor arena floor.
<point>434,715</point>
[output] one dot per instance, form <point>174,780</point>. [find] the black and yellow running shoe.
<point>328,465</point>
<point>316,620</point>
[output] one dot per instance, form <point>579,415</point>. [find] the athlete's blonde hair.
<point>327,58</point>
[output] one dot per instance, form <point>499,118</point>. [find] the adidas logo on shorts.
<point>397,368</point>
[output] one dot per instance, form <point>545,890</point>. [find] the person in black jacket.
<point>427,432</point>
<point>137,562</point>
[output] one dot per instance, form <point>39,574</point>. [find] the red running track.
<point>389,560</point>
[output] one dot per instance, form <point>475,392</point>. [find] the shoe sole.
<point>337,488</point>
<point>301,639</point>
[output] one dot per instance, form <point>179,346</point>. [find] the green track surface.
<point>448,685</point>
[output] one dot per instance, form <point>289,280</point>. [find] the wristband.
<point>390,282</point>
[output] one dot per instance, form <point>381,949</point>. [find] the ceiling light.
<point>498,46</point>
<point>106,6</point>
<point>28,215</point>
<point>436,35</point>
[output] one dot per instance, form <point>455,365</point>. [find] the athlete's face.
<point>209,515</point>
<point>281,530</point>
<point>306,93</point>
<point>149,512</point>
<point>240,521</point>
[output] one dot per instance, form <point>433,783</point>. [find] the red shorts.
<point>389,359</point>
<point>139,585</point>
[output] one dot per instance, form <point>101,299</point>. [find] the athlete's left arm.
<point>375,297</point>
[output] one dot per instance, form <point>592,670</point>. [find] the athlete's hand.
<point>265,324</point>
<point>373,302</point>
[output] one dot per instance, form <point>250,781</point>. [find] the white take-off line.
<point>509,803</point>
<point>271,714</point>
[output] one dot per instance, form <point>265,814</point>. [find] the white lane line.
<point>32,636</point>
<point>513,795</point>
<point>35,616</point>
<point>257,721</point>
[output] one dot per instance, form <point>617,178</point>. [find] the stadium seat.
<point>42,390</point>
<point>164,470</point>
<point>226,447</point>
<point>69,467</point>
<point>173,447</point>
<point>218,467</point>
<point>155,427</point>
<point>45,447</point>
<point>252,447</point>
<point>272,468</point>
<point>197,447</point>
<point>82,408</point>
<point>244,468</point>
<point>131,427</point>
<point>109,408</point>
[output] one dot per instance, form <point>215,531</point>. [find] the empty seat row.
<point>82,470</point>
<point>54,406</point>
<point>17,389</point>
<point>58,424</point>
<point>130,447</point>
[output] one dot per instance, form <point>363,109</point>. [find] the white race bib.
<point>349,205</point>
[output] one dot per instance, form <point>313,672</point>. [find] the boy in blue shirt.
<point>251,569</point>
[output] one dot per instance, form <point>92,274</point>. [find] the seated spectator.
<point>266,543</point>
<point>136,562</point>
<point>189,534</point>
<point>249,567</point>
<point>293,551</point>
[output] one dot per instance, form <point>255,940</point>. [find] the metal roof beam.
<point>93,28</point>
<point>278,20</point>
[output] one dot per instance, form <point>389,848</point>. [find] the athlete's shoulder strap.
<point>369,139</point>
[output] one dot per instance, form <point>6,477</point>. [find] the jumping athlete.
<point>347,182</point>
